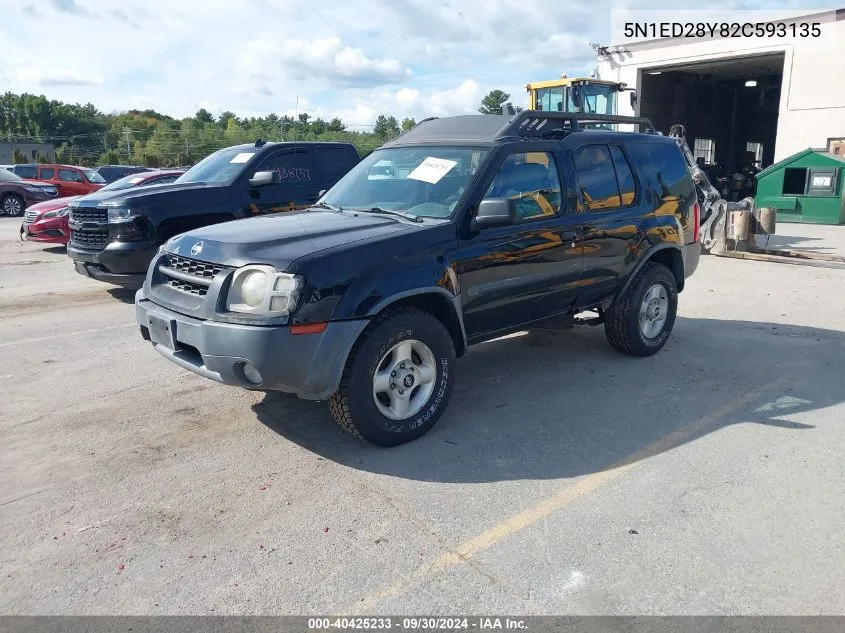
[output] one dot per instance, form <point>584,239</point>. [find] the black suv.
<point>485,225</point>
<point>115,235</point>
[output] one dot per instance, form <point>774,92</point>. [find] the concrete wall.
<point>30,152</point>
<point>812,104</point>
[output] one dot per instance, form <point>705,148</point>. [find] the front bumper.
<point>308,365</point>
<point>119,263</point>
<point>51,231</point>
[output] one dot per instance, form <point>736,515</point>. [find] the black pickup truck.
<point>484,226</point>
<point>114,236</point>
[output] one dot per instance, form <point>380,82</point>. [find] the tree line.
<point>83,135</point>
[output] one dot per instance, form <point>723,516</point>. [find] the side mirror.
<point>264,178</point>
<point>494,212</point>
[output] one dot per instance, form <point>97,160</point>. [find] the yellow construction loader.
<point>576,94</point>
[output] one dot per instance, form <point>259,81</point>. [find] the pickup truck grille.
<point>188,275</point>
<point>30,216</point>
<point>89,240</point>
<point>90,214</point>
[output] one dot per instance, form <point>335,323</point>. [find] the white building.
<point>739,94</point>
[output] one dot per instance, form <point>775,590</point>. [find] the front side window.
<point>293,167</point>
<point>47,173</point>
<point>532,181</point>
<point>69,175</point>
<point>420,181</point>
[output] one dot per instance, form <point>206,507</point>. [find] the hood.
<point>148,195</point>
<point>39,183</point>
<point>51,205</point>
<point>282,238</point>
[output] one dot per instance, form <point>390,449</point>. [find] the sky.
<point>352,59</point>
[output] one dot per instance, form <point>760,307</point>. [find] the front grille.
<point>30,216</point>
<point>90,214</point>
<point>95,241</point>
<point>188,286</point>
<point>193,266</point>
<point>178,270</point>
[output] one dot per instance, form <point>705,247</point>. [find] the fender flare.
<point>645,259</point>
<point>453,301</point>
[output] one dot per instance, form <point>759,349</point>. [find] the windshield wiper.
<point>400,214</point>
<point>326,205</point>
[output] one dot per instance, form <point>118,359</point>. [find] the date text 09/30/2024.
<point>416,623</point>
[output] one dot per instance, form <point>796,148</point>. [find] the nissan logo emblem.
<point>196,249</point>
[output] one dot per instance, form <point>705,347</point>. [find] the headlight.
<point>119,215</point>
<point>58,213</point>
<point>263,291</point>
<point>34,189</point>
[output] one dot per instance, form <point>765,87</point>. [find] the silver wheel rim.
<point>654,310</point>
<point>12,206</point>
<point>404,380</point>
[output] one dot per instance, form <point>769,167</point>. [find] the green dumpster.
<point>806,187</point>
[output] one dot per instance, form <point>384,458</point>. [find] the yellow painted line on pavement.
<point>564,497</point>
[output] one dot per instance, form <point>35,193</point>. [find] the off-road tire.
<point>622,318</point>
<point>352,405</point>
<point>21,205</point>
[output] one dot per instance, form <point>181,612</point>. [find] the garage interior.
<point>729,107</point>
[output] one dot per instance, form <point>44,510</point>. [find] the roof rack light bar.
<point>534,120</point>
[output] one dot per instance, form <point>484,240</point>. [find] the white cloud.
<point>41,76</point>
<point>349,58</point>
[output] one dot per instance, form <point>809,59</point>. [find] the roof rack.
<point>542,124</point>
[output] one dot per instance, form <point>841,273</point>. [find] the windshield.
<point>9,176</point>
<point>221,167</point>
<point>597,99</point>
<point>421,181</point>
<point>93,176</point>
<point>125,183</point>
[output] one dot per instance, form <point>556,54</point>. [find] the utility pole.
<point>128,145</point>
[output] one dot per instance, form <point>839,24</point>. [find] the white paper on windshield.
<point>135,181</point>
<point>431,170</point>
<point>243,157</point>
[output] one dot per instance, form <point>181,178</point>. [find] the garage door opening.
<point>729,107</point>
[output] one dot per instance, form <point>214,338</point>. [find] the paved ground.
<point>819,239</point>
<point>564,478</point>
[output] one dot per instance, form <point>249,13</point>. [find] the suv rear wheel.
<point>641,319</point>
<point>13,205</point>
<point>398,378</point>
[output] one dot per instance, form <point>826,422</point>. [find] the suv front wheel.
<point>398,378</point>
<point>640,320</point>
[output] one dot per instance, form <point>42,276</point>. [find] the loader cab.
<point>580,94</point>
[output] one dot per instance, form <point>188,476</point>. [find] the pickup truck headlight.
<point>58,213</point>
<point>119,215</point>
<point>264,291</point>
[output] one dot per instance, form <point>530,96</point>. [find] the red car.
<point>47,221</point>
<point>69,179</point>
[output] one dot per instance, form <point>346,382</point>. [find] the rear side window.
<point>624,176</point>
<point>28,171</point>
<point>47,173</point>
<point>335,161</point>
<point>597,177</point>
<point>293,167</point>
<point>664,169</point>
